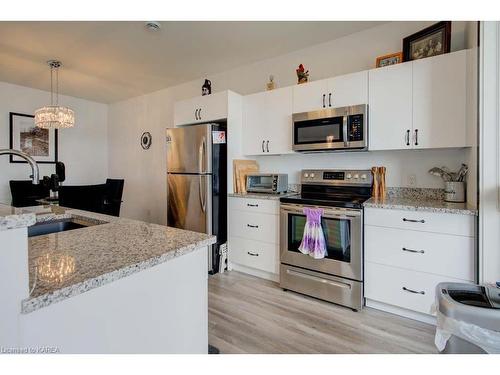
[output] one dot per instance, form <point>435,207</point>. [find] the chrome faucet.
<point>34,166</point>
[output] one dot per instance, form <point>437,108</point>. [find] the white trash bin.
<point>468,318</point>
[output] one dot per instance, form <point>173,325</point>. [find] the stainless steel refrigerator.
<point>197,182</point>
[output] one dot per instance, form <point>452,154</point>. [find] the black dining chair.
<point>113,197</point>
<point>25,193</point>
<point>102,198</point>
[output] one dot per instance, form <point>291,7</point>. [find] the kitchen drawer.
<point>440,254</point>
<point>386,283</point>
<point>255,254</point>
<point>263,206</point>
<point>462,225</point>
<point>254,226</point>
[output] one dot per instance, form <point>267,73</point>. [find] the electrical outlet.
<point>412,180</point>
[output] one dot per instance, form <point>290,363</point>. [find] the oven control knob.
<point>312,175</point>
<point>363,176</point>
<point>348,176</point>
<point>356,176</point>
<point>306,175</point>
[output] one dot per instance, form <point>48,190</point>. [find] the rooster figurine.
<point>302,74</point>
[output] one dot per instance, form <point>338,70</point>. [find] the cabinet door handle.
<point>252,254</point>
<point>263,143</point>
<point>413,291</point>
<point>267,146</point>
<point>416,137</point>
<point>196,114</point>
<point>252,205</point>
<point>324,96</point>
<point>413,221</point>
<point>199,114</point>
<point>413,251</point>
<point>252,226</point>
<point>407,137</point>
<point>329,99</point>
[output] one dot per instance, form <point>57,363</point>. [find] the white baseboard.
<point>425,318</point>
<point>253,272</point>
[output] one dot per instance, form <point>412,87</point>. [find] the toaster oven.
<point>273,183</point>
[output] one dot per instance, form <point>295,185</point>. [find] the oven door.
<point>343,235</point>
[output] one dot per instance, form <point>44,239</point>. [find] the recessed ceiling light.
<point>153,26</point>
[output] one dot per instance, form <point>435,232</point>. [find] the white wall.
<point>400,164</point>
<point>145,171</point>
<point>83,149</point>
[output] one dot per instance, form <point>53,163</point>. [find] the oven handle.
<point>318,279</point>
<point>326,213</point>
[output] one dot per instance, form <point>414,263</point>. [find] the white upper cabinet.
<point>267,122</point>
<point>419,104</point>
<point>390,107</point>
<point>201,109</point>
<point>310,96</point>
<point>348,89</point>
<point>340,91</point>
<point>439,101</point>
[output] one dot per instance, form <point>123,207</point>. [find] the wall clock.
<point>146,140</point>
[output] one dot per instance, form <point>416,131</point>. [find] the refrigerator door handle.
<point>201,155</point>
<point>202,191</point>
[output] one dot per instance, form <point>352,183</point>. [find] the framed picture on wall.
<point>40,144</point>
<point>431,41</point>
<point>391,59</point>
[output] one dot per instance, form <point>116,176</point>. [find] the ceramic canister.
<point>454,191</point>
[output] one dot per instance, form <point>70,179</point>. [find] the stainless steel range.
<point>338,277</point>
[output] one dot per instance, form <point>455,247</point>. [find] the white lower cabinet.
<point>402,287</point>
<point>255,254</point>
<point>405,260</point>
<point>254,236</point>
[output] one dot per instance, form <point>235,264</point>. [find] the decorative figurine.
<point>270,85</point>
<point>206,89</point>
<point>302,74</point>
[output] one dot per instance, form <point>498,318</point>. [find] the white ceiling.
<point>111,61</point>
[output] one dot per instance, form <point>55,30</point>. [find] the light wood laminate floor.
<point>252,315</point>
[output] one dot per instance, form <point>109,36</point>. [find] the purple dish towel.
<point>313,240</point>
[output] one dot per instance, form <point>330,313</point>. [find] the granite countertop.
<point>420,204</point>
<point>263,195</point>
<point>12,217</point>
<point>108,249</point>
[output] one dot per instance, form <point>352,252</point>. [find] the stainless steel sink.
<point>54,227</point>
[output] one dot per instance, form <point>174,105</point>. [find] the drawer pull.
<point>413,251</point>
<point>252,205</point>
<point>413,291</point>
<point>252,226</point>
<point>413,221</point>
<point>252,254</point>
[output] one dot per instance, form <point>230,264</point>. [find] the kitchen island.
<point>106,285</point>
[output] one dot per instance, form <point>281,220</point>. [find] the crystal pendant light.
<point>54,116</point>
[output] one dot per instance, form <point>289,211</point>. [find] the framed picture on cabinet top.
<point>390,59</point>
<point>40,144</point>
<point>431,41</point>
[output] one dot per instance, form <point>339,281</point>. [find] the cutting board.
<point>241,168</point>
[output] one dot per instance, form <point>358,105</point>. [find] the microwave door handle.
<point>344,130</point>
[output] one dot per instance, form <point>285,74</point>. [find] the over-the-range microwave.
<point>332,129</point>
